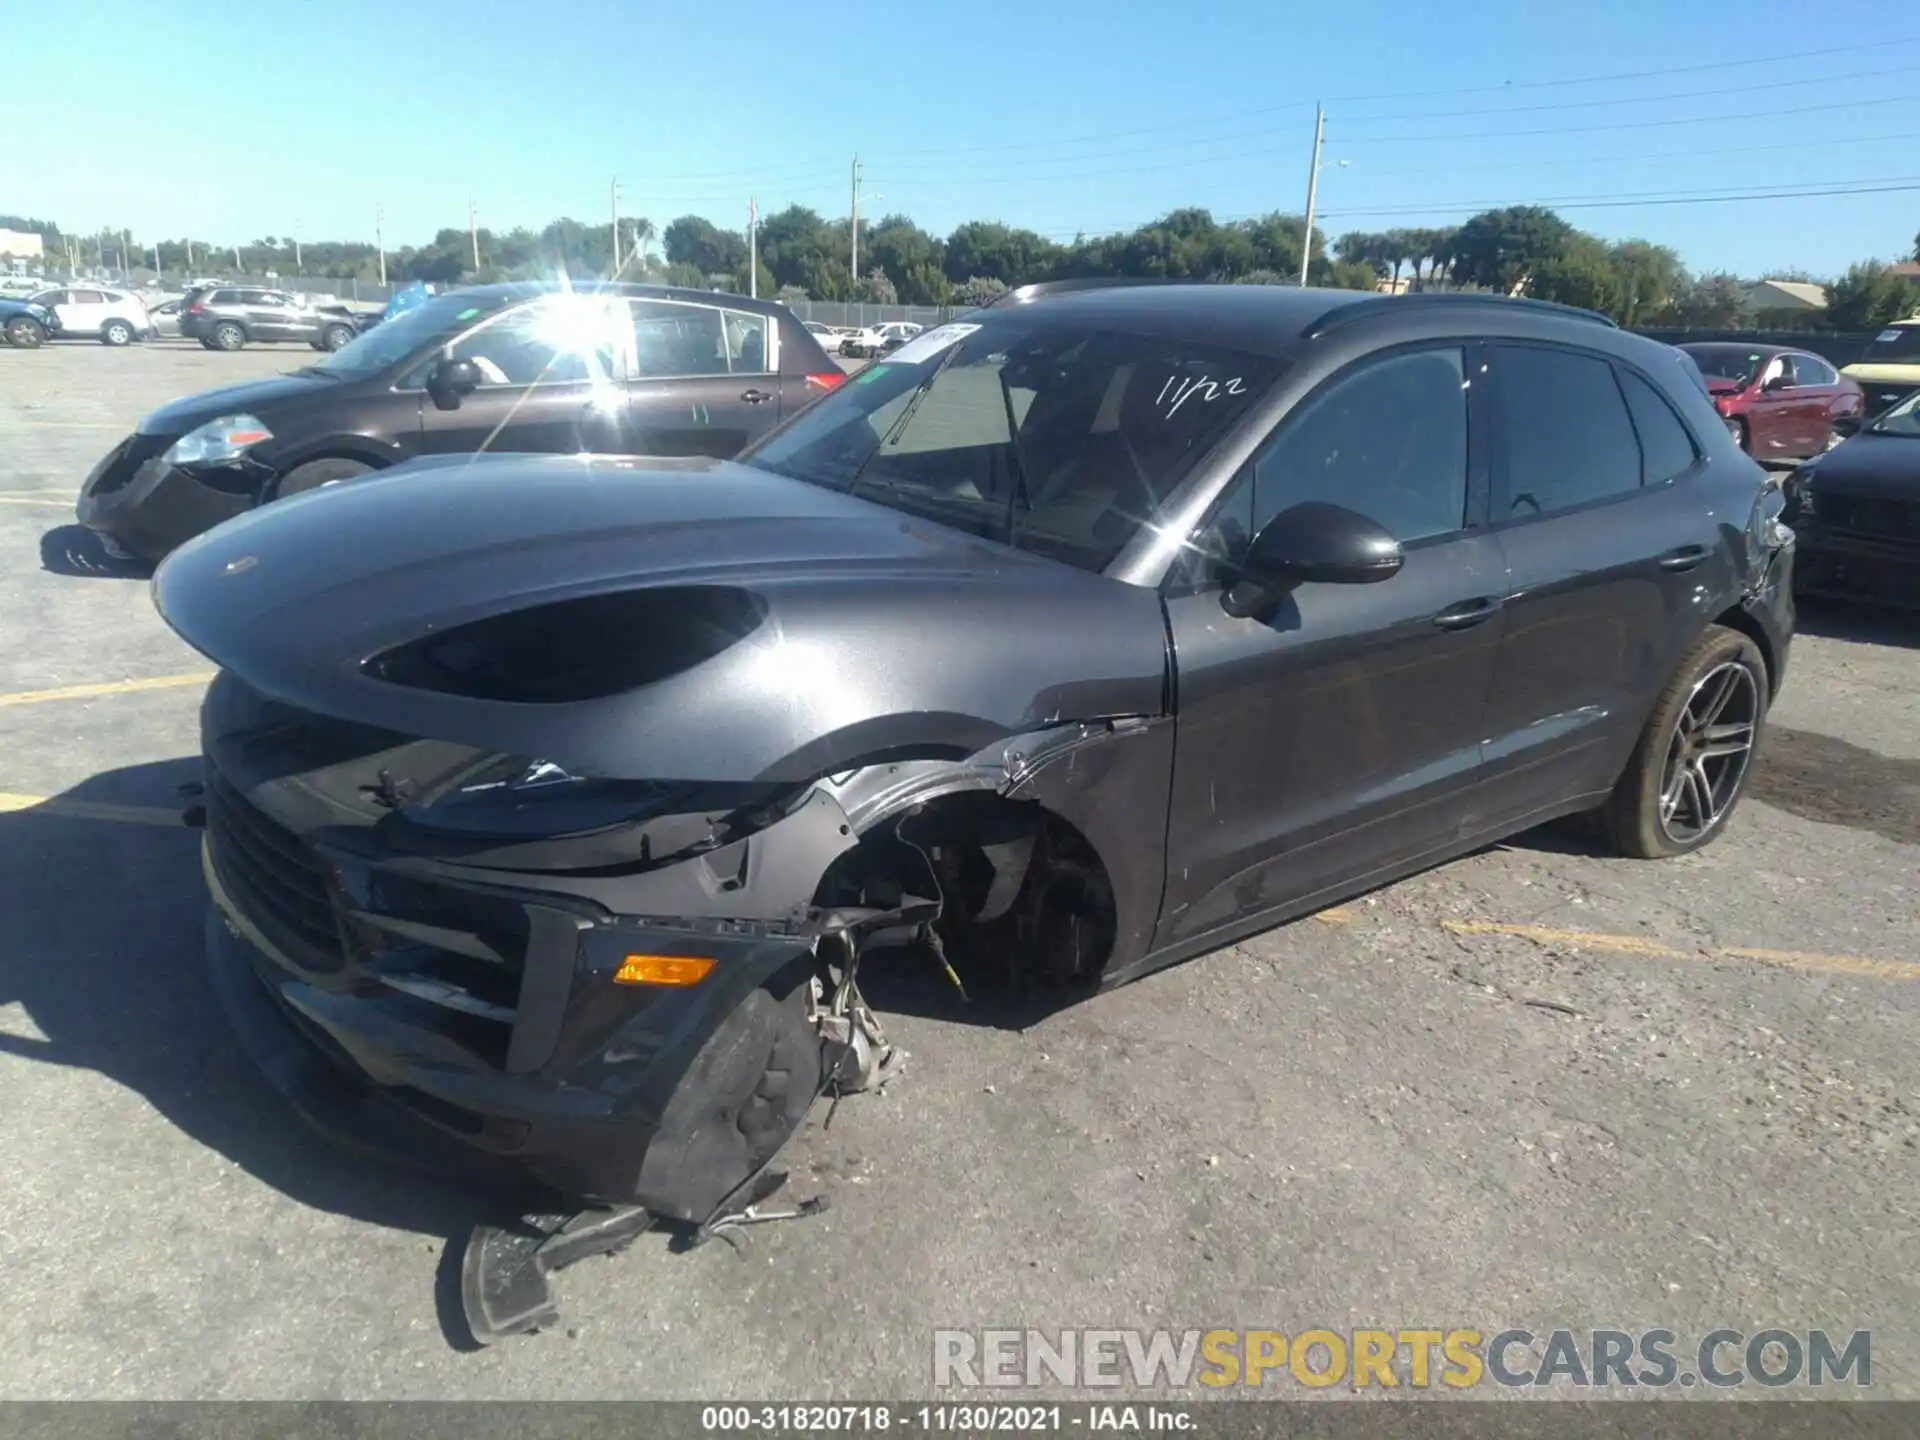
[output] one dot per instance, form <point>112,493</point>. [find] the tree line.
<point>1519,250</point>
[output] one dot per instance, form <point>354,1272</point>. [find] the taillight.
<point>827,379</point>
<point>196,308</point>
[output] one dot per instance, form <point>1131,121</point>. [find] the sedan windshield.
<point>1728,362</point>
<point>1058,440</point>
<point>1903,419</point>
<point>392,341</point>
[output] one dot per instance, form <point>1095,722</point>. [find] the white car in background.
<point>114,317</point>
<point>829,336</point>
<point>872,340</point>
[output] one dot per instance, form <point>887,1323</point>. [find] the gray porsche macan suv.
<point>552,803</point>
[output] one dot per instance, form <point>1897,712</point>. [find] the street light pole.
<point>473,234</point>
<point>380,238</point>
<point>856,221</point>
<point>1313,191</point>
<point>753,249</point>
<point>613,196</point>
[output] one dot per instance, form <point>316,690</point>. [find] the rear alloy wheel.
<point>316,474</point>
<point>334,336</point>
<point>228,336</point>
<point>1691,764</point>
<point>26,333</point>
<point>116,333</point>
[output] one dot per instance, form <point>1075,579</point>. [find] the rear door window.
<point>1567,440</point>
<point>1666,449</point>
<point>749,350</point>
<point>673,339</point>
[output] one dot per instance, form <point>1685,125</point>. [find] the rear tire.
<point>316,473</point>
<point>227,336</point>
<point>26,333</point>
<point>1694,757</point>
<point>116,333</point>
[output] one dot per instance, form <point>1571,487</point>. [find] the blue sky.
<point>234,120</point>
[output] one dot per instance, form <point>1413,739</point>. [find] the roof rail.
<point>1342,315</point>
<point>1059,287</point>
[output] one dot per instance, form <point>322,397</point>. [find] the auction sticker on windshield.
<point>925,347</point>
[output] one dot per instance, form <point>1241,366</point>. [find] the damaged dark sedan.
<point>554,803</point>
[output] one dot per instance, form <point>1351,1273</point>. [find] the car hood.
<point>250,397</point>
<point>695,620</point>
<point>1870,464</point>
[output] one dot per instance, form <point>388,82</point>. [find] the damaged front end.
<point>629,991</point>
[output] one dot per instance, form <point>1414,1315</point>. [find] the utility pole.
<point>856,221</point>
<point>189,259</point>
<point>380,238</point>
<point>1313,190</point>
<point>473,234</point>
<point>236,260</point>
<point>299,261</point>
<point>753,250</point>
<point>613,197</point>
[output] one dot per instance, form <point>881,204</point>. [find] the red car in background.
<point>1779,404</point>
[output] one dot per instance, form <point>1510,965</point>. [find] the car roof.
<point>528,289</point>
<point>1260,319</point>
<point>1752,348</point>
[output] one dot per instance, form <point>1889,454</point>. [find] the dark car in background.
<point>554,803</point>
<point>27,325</point>
<point>231,317</point>
<point>625,370</point>
<point>1777,403</point>
<point>1856,511</point>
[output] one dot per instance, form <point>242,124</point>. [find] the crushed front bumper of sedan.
<point>143,507</point>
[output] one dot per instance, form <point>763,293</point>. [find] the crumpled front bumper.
<point>148,507</point>
<point>483,1015</point>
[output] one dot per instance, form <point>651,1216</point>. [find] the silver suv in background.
<point>97,312</point>
<point>234,315</point>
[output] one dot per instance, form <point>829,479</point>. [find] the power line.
<point>1417,139</point>
<point>1900,185</point>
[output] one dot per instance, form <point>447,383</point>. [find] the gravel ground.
<point>1534,1088</point>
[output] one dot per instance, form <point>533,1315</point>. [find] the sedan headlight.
<point>1799,490</point>
<point>226,438</point>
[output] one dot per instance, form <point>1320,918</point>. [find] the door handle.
<point>1469,613</point>
<point>1684,558</point>
<point>756,397</point>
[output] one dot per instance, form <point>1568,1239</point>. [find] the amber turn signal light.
<point>662,970</point>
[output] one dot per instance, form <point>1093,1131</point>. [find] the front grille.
<point>273,877</point>
<point>1872,515</point>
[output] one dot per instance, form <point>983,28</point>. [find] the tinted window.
<point>746,343</point>
<point>674,339</point>
<point>558,341</point>
<point>1568,439</point>
<point>224,297</point>
<point>87,297</point>
<point>1059,441</point>
<point>1665,447</point>
<point>1895,340</point>
<point>1389,440</point>
<point>1727,362</point>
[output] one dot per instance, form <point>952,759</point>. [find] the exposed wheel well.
<point>1738,619</point>
<point>1026,899</point>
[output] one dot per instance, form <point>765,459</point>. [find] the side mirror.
<point>449,379</point>
<point>1846,426</point>
<point>1311,544</point>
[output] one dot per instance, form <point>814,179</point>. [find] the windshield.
<point>1727,362</point>
<point>1902,419</point>
<point>392,341</point>
<point>1058,440</point>
<point>1895,340</point>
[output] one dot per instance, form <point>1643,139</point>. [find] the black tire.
<point>334,336</point>
<point>227,335</point>
<point>116,333</point>
<point>316,473</point>
<point>26,333</point>
<point>206,344</point>
<point>1686,775</point>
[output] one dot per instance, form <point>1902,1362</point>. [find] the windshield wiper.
<point>895,430</point>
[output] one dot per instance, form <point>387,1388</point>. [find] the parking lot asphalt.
<point>1537,1087</point>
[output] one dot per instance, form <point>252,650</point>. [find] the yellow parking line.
<point>69,424</point>
<point>90,810</point>
<point>1652,949</point>
<point>105,687</point>
<point>65,502</point>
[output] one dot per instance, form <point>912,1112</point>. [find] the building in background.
<point>21,250</point>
